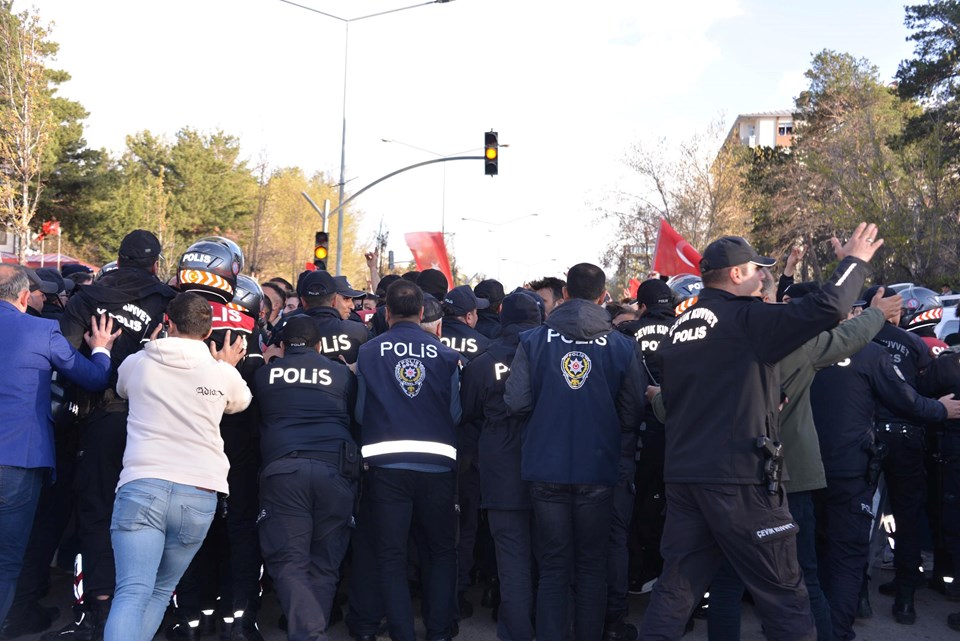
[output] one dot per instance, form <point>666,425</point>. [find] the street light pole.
<point>343,136</point>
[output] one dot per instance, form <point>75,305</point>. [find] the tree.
<point>26,118</point>
<point>697,190</point>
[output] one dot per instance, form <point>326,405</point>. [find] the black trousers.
<point>364,604</point>
<point>755,532</point>
<point>306,510</point>
<point>400,498</point>
<point>618,555</point>
<point>103,437</point>
<point>845,517</point>
<point>649,510</point>
<point>906,477</point>
<point>512,532</point>
<point>228,563</point>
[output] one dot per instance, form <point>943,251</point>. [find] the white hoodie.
<point>178,393</point>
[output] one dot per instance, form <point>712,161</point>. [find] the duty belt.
<point>904,429</point>
<point>316,455</point>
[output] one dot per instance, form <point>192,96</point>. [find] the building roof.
<point>768,114</point>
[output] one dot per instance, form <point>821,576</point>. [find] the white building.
<point>766,129</point>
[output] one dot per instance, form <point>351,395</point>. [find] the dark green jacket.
<point>801,448</point>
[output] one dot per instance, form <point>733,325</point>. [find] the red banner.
<point>673,254</point>
<point>430,252</point>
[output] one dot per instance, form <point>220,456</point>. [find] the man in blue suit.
<point>30,349</point>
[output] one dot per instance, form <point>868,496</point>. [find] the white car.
<point>949,323</point>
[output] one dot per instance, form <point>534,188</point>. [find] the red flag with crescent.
<point>673,254</point>
<point>430,252</point>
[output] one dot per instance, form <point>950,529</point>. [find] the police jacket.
<point>846,398</point>
<point>306,403</point>
<point>408,398</point>
<point>482,386</point>
<point>581,385</point>
<point>488,323</point>
<point>719,375</point>
<point>238,430</point>
<point>462,338</point>
<point>801,445</point>
<point>338,337</point>
<point>942,378</point>
<point>134,298</point>
<point>649,331</point>
<point>911,357</point>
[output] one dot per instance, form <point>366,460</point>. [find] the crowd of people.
<point>187,443</point>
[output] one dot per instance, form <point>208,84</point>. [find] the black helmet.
<point>229,244</point>
<point>209,267</point>
<point>106,269</point>
<point>686,288</point>
<point>921,308</point>
<point>248,297</point>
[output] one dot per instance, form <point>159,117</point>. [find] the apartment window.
<point>785,128</point>
<point>3,237</point>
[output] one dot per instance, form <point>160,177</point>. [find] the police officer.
<point>581,385</point>
<point>408,407</point>
<point>942,377</point>
<point>505,496</point>
<point>722,464</point>
<point>904,468</point>
<point>655,299</point>
<point>227,566</point>
<point>460,308</point>
<point>460,314</point>
<point>488,320</point>
<point>845,398</point>
<point>309,480</point>
<point>323,300</point>
<point>135,298</point>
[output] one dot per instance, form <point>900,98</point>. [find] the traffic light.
<point>491,153</point>
<point>321,249</point>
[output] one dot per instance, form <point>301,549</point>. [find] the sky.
<point>569,86</point>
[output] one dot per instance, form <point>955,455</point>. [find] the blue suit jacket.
<point>30,348</point>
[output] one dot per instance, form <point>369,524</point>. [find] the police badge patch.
<point>410,374</point>
<point>575,367</point>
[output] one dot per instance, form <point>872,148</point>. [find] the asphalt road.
<point>932,611</point>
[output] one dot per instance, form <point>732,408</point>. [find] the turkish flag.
<point>430,252</point>
<point>634,285</point>
<point>673,254</point>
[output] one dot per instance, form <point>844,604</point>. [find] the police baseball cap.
<point>344,288</point>
<point>461,300</point>
<point>39,284</point>
<point>317,283</point>
<point>522,307</point>
<point>490,289</point>
<point>432,311</point>
<point>139,245</point>
<point>51,275</point>
<point>730,251</point>
<point>654,293</point>
<point>75,268</point>
<point>796,291</point>
<point>870,293</point>
<point>300,330</point>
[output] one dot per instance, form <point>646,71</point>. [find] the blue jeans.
<point>572,524</point>
<point>157,528</point>
<point>19,493</point>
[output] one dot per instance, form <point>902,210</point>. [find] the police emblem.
<point>575,367</point>
<point>410,374</point>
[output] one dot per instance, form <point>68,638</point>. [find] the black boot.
<point>29,618</point>
<point>245,628</point>
<point>491,596</point>
<point>87,625</point>
<point>903,610</point>
<point>466,608</point>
